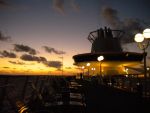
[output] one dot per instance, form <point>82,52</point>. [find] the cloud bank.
<point>24,48</point>
<point>74,5</point>
<point>27,57</point>
<point>30,55</point>
<point>7,54</point>
<point>54,64</point>
<point>59,5</point>
<point>17,62</point>
<point>4,38</point>
<point>53,50</point>
<point>4,3</point>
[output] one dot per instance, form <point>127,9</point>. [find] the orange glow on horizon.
<point>35,68</point>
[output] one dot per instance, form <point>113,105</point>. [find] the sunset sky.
<point>36,34</point>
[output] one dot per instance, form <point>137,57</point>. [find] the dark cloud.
<point>111,16</point>
<point>4,3</point>
<point>7,5</point>
<point>58,5</point>
<point>4,38</point>
<point>53,50</point>
<point>59,69</point>
<point>27,57</point>
<point>24,48</point>
<point>129,25</point>
<point>18,62</point>
<point>74,5</point>
<point>55,64</point>
<point>11,5</point>
<point>8,54</point>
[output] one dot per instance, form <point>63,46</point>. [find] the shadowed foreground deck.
<point>106,99</point>
<point>51,94</point>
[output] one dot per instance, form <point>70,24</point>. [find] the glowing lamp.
<point>88,64</point>
<point>139,37</point>
<point>146,33</point>
<point>82,67</point>
<point>100,58</point>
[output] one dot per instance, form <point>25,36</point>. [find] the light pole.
<point>62,58</point>
<point>148,69</point>
<point>100,58</point>
<point>93,69</point>
<point>83,69</point>
<point>143,43</point>
<point>88,65</point>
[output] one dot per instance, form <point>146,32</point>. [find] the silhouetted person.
<point>81,76</point>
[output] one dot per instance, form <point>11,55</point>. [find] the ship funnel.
<point>105,40</point>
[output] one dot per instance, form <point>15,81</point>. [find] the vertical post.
<point>88,65</point>
<point>100,69</point>
<point>139,38</point>
<point>100,59</point>
<point>93,69</point>
<point>88,71</point>
<point>83,70</point>
<point>145,73</point>
<point>62,66</point>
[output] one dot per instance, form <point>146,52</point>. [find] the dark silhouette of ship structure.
<point>125,91</point>
<point>103,40</point>
<point>89,94</point>
<point>107,43</point>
